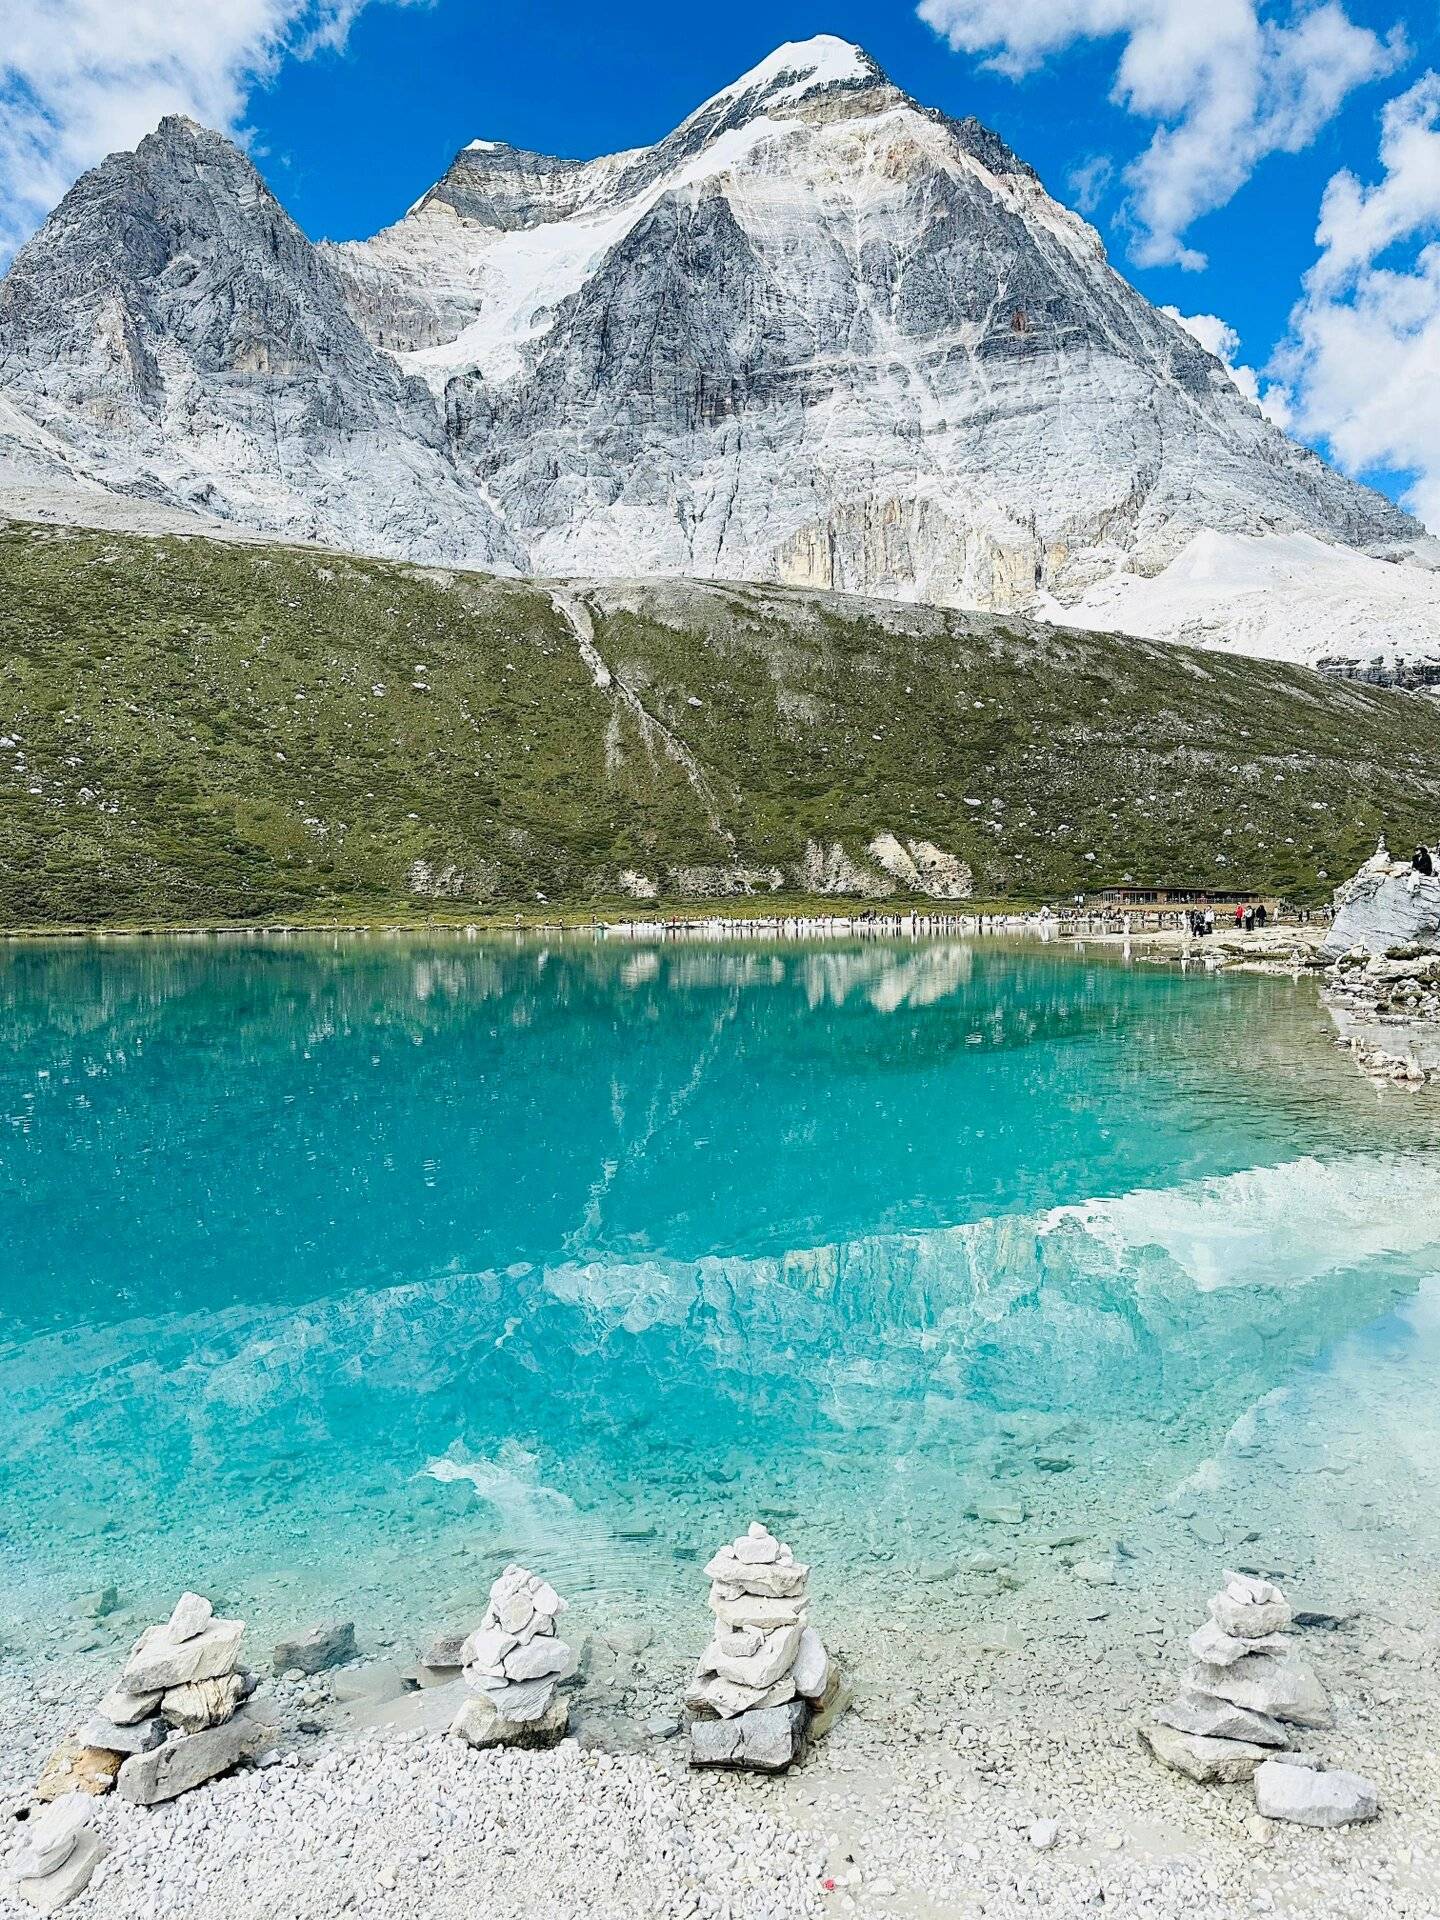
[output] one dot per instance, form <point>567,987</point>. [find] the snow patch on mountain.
<point>1276,597</point>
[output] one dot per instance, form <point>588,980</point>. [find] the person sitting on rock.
<point>1422,862</point>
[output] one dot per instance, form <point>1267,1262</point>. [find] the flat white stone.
<point>1217,1648</point>
<point>811,1672</point>
<point>1312,1799</point>
<point>486,1648</point>
<point>756,1548</point>
<point>192,1614</point>
<point>1202,1760</point>
<point>158,1663</point>
<point>780,1579</point>
<point>759,1610</point>
<point>48,1892</point>
<point>138,1737</point>
<point>537,1658</point>
<point>1216,1719</point>
<point>50,1837</point>
<point>514,1612</point>
<point>1282,1686</point>
<point>770,1662</point>
<point>124,1708</point>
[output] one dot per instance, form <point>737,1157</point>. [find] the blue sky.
<point>353,107</point>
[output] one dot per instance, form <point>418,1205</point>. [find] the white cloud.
<point>1363,360</point>
<point>1217,336</point>
<point>81,78</point>
<point>1226,82</point>
<point>1089,181</point>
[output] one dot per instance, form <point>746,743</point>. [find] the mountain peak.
<point>804,65</point>
<point>793,72</point>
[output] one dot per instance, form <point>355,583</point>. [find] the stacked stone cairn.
<point>61,1852</point>
<point>515,1663</point>
<point>1235,1714</point>
<point>765,1675</point>
<point>175,1713</point>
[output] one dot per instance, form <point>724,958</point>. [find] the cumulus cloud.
<point>81,78</point>
<point>1362,363</point>
<point>1226,83</point>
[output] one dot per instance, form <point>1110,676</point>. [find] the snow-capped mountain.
<point>819,335</point>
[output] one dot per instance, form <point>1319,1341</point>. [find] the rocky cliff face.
<point>1387,905</point>
<point>172,334</point>
<point>820,335</point>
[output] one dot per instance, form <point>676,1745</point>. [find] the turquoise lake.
<point>335,1271</point>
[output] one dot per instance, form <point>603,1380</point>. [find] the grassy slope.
<point>202,726</point>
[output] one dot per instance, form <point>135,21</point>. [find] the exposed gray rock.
<point>481,1723</point>
<point>159,1663</point>
<point>768,1739</point>
<point>1202,1760</point>
<point>1386,905</point>
<point>316,1649</point>
<point>1283,1686</point>
<point>138,1737</point>
<point>1220,1720</point>
<point>125,1708</point>
<point>1312,1799</point>
<point>189,1760</point>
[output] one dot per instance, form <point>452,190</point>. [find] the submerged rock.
<point>316,1649</point>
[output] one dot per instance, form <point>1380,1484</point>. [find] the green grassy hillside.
<point>192,731</point>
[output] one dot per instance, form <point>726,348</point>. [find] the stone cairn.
<point>765,1676</point>
<point>60,1854</point>
<point>515,1662</point>
<point>1234,1714</point>
<point>174,1718</point>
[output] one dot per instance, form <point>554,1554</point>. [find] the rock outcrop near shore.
<point>1386,906</point>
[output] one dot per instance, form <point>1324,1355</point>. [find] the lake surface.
<point>333,1273</point>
